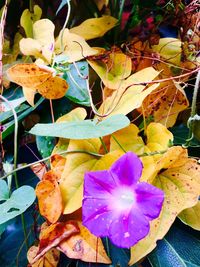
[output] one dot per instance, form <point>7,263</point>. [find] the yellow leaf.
<point>101,3</point>
<point>77,164</point>
<point>95,27</point>
<point>114,70</point>
<point>84,246</point>
<point>76,114</point>
<point>49,259</point>
<point>169,49</point>
<point>158,134</point>
<point>27,19</point>
<point>181,185</point>
<point>191,216</point>
<point>130,96</point>
<point>128,139</point>
<point>75,47</point>
<point>29,94</point>
<point>71,183</point>
<point>42,43</point>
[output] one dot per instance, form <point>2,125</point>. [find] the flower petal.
<point>128,229</point>
<point>96,216</point>
<point>149,199</point>
<point>127,169</point>
<point>98,184</point>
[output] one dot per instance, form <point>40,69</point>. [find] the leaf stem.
<point>47,158</point>
<point>65,24</point>
<point>190,123</point>
<point>118,143</point>
<point>103,144</point>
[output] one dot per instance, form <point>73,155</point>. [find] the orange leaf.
<point>49,197</point>
<point>84,246</point>
<point>50,259</point>
<point>54,234</point>
<point>58,164</point>
<point>165,103</point>
<point>34,78</point>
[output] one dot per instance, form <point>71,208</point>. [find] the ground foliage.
<point>83,83</point>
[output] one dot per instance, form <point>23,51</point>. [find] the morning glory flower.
<point>117,205</point>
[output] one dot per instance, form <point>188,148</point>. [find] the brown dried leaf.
<point>84,246</point>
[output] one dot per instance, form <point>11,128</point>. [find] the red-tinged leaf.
<point>84,246</point>
<point>50,258</point>
<point>49,197</point>
<point>53,235</point>
<point>39,169</point>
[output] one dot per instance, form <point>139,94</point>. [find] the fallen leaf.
<point>180,183</point>
<point>49,197</point>
<point>113,68</point>
<point>54,234</point>
<point>74,46</point>
<point>49,259</point>
<point>84,246</point>
<point>94,27</point>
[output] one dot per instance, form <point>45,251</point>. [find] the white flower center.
<point>123,198</point>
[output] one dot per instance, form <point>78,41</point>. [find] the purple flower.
<point>117,205</point>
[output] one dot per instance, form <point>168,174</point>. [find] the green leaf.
<point>4,191</point>
<point>9,127</point>
<point>77,91</point>
<point>45,145</point>
<point>82,129</point>
<point>8,114</point>
<point>178,248</point>
<point>20,200</point>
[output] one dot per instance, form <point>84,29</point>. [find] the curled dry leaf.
<point>49,259</point>
<point>84,246</point>
<point>53,235</point>
<point>49,197</point>
<point>34,79</point>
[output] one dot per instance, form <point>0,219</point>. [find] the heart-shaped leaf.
<point>19,201</point>
<point>82,129</point>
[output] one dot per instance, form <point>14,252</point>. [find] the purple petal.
<point>96,216</point>
<point>149,199</point>
<point>127,169</point>
<point>128,229</point>
<point>98,184</point>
